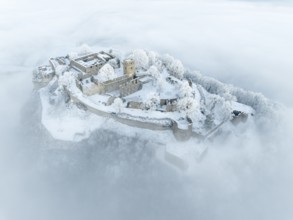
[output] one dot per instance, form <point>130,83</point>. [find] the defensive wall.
<point>112,85</point>
<point>141,122</point>
<point>130,87</point>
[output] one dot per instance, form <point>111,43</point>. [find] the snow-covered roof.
<point>93,59</point>
<point>88,63</point>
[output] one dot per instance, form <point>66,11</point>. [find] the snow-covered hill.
<point>244,172</point>
<point>157,94</point>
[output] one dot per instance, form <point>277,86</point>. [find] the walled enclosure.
<point>89,69</point>
<point>125,84</point>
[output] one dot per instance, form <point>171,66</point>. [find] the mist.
<point>247,175</point>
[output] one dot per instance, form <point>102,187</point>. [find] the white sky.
<point>244,43</point>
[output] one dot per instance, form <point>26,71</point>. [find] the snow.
<point>183,156</point>
<point>243,108</point>
<point>192,101</point>
<point>245,43</point>
<point>89,63</point>
<point>104,57</point>
<point>99,98</point>
<point>69,124</point>
<point>141,94</point>
<point>118,104</point>
<point>106,73</point>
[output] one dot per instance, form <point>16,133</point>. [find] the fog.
<point>245,176</point>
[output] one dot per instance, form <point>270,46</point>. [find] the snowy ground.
<point>67,122</point>
<point>245,176</point>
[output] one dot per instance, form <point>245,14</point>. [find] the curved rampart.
<point>182,134</point>
<point>141,122</point>
<point>149,123</point>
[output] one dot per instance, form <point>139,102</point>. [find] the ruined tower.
<point>129,67</point>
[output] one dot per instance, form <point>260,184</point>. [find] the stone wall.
<point>171,107</point>
<point>75,64</point>
<point>94,68</point>
<point>112,85</point>
<point>107,86</point>
<point>88,70</point>
<point>171,104</point>
<point>130,87</point>
<point>137,122</point>
<point>182,134</point>
<point>145,123</point>
<point>167,101</point>
<point>135,105</point>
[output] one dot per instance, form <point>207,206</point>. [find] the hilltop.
<point>141,90</point>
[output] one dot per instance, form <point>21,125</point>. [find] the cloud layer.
<point>248,176</point>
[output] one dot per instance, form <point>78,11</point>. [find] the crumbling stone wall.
<point>179,133</point>
<point>135,105</point>
<point>115,84</point>
<point>130,87</point>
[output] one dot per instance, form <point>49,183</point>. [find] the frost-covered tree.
<point>177,69</point>
<point>153,57</point>
<point>174,66</point>
<point>159,65</point>
<point>187,104</point>
<point>222,110</point>
<point>231,93</point>
<point>73,55</point>
<point>217,107</point>
<point>118,104</point>
<point>152,101</point>
<point>141,59</point>
<point>106,73</point>
<point>167,60</point>
<point>185,89</point>
<point>191,108</point>
<point>84,49</point>
<point>154,72</point>
<point>157,77</point>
